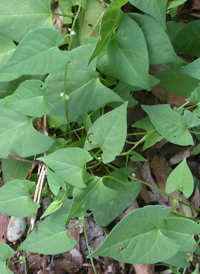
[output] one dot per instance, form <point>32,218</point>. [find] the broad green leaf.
<point>176,81</point>
<point>179,260</point>
<point>173,29</point>
<point>155,8</point>
<point>108,24</point>
<point>196,271</point>
<point>68,163</point>
<point>82,82</point>
<point>158,44</point>
<point>90,20</point>
<point>192,69</point>
<point>188,39</point>
<point>109,133</point>
<point>5,253</point>
<point>28,99</point>
<point>14,199</point>
<point>171,125</point>
<point>42,54</point>
<point>152,134</point>
<point>18,137</point>
<point>7,47</point>
<point>13,169</point>
<point>54,206</point>
<point>123,59</point>
<point>49,237</point>
<point>8,88</point>
<point>17,18</point>
<point>137,238</point>
<point>180,179</point>
<point>55,182</point>
<point>136,157</point>
<point>107,212</point>
<point>95,194</point>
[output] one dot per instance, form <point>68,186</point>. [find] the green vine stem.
<point>86,240</point>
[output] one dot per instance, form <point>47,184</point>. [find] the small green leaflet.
<point>159,46</point>
<point>14,199</point>
<point>5,253</point>
<point>155,8</point>
<point>109,133</point>
<point>54,206</point>
<point>68,163</point>
<point>7,47</point>
<point>188,39</point>
<point>175,3</point>
<point>181,178</point>
<point>107,212</point>
<point>95,194</point>
<point>125,59</point>
<point>195,97</point>
<point>42,54</point>
<point>18,137</point>
<point>49,237</point>
<point>17,18</point>
<point>136,157</point>
<point>28,99</point>
<point>109,22</point>
<point>171,125</point>
<point>124,242</point>
<point>55,182</point>
<point>152,134</point>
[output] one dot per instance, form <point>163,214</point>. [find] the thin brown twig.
<point>24,160</point>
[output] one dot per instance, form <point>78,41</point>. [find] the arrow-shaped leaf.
<point>5,253</point>
<point>38,54</point>
<point>49,237</point>
<point>14,199</point>
<point>69,163</point>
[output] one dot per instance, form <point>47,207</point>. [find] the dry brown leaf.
<point>161,169</point>
<point>195,200</point>
<point>144,268</point>
<point>177,158</point>
<point>4,220</point>
<point>196,5</point>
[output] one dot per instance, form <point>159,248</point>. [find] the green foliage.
<point>76,91</point>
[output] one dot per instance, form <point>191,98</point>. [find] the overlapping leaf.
<point>158,44</point>
<point>95,194</point>
<point>7,47</point>
<point>37,54</point>
<point>18,137</point>
<point>124,242</point>
<point>28,99</point>
<point>55,182</point>
<point>14,199</point>
<point>69,163</point>
<point>188,39</point>
<point>109,22</point>
<point>176,81</point>
<point>126,57</point>
<point>109,133</point>
<point>192,69</point>
<point>84,88</point>
<point>13,169</point>
<point>49,237</point>
<point>195,97</point>
<point>180,178</point>
<point>107,212</point>
<point>17,18</point>
<point>155,8</point>
<point>171,125</point>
